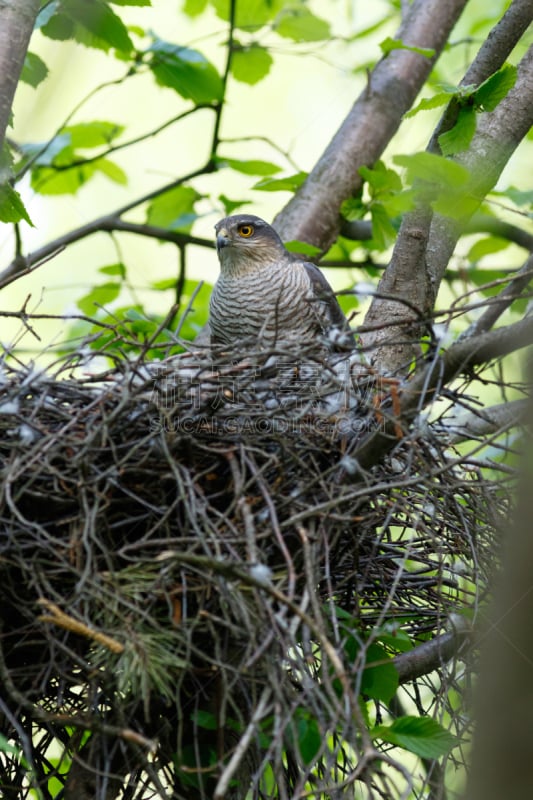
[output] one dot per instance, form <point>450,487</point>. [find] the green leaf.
<point>427,103</point>
<point>304,734</point>
<point>186,71</point>
<point>12,208</point>
<point>393,637</point>
<point>111,170</point>
<point>231,205</point>
<point>295,246</point>
<point>494,89</point>
<point>100,295</point>
<point>420,735</point>
<point>485,247</point>
<point>101,22</point>
<point>49,181</point>
<point>382,681</point>
<point>204,719</point>
<point>397,203</point>
<point>383,232</point>
<point>353,209</point>
<point>92,134</point>
<point>459,137</point>
<point>301,25</point>
<point>193,8</point>
<point>131,2</point>
<point>250,64</point>
<point>432,168</point>
<point>250,15</point>
<point>249,166</point>
<point>114,269</point>
<point>55,25</point>
<point>456,204</point>
<point>164,285</point>
<point>174,209</point>
<point>381,179</point>
<point>6,160</point>
<point>389,44</point>
<point>289,184</point>
<point>34,70</point>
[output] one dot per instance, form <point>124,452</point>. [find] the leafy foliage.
<point>211,77</point>
<point>186,71</point>
<point>420,735</point>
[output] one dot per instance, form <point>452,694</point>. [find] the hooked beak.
<point>222,239</point>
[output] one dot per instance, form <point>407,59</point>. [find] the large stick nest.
<point>195,568</point>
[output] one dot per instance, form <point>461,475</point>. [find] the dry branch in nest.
<point>199,578</point>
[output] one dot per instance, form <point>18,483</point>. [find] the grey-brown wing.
<point>324,295</point>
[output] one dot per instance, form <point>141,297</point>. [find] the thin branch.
<point>504,299</point>
<point>122,145</point>
<point>426,242</point>
<point>431,655</point>
<point>361,230</point>
<point>492,55</point>
<point>271,143</point>
<point>243,745</point>
<point>110,222</point>
<point>422,389</point>
<point>18,18</point>
<point>485,421</point>
<point>312,215</point>
<point>28,164</point>
<point>484,223</point>
<point>358,230</point>
<point>225,78</point>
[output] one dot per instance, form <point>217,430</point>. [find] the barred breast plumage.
<point>264,295</point>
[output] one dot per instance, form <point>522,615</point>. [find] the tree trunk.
<point>17,18</point>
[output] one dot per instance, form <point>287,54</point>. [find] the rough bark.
<point>426,242</point>
<point>312,215</point>
<point>497,136</point>
<point>17,18</point>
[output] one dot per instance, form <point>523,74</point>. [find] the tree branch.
<point>225,78</point>
<point>421,390</point>
<point>22,265</point>
<point>431,655</point>
<point>18,18</point>
<point>484,223</point>
<point>492,55</point>
<point>485,421</point>
<point>426,242</point>
<point>505,298</point>
<point>497,136</point>
<point>116,147</point>
<point>312,215</point>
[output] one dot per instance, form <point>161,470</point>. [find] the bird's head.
<point>245,241</point>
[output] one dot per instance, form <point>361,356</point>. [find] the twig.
<point>312,215</point>
<point>503,300</point>
<point>428,656</point>
<point>242,746</point>
<point>477,424</point>
<point>21,265</point>
<point>62,620</point>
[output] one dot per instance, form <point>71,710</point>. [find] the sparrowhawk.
<point>267,295</point>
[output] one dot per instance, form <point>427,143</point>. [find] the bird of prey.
<point>267,295</point>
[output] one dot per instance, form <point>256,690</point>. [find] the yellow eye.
<point>246,231</point>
